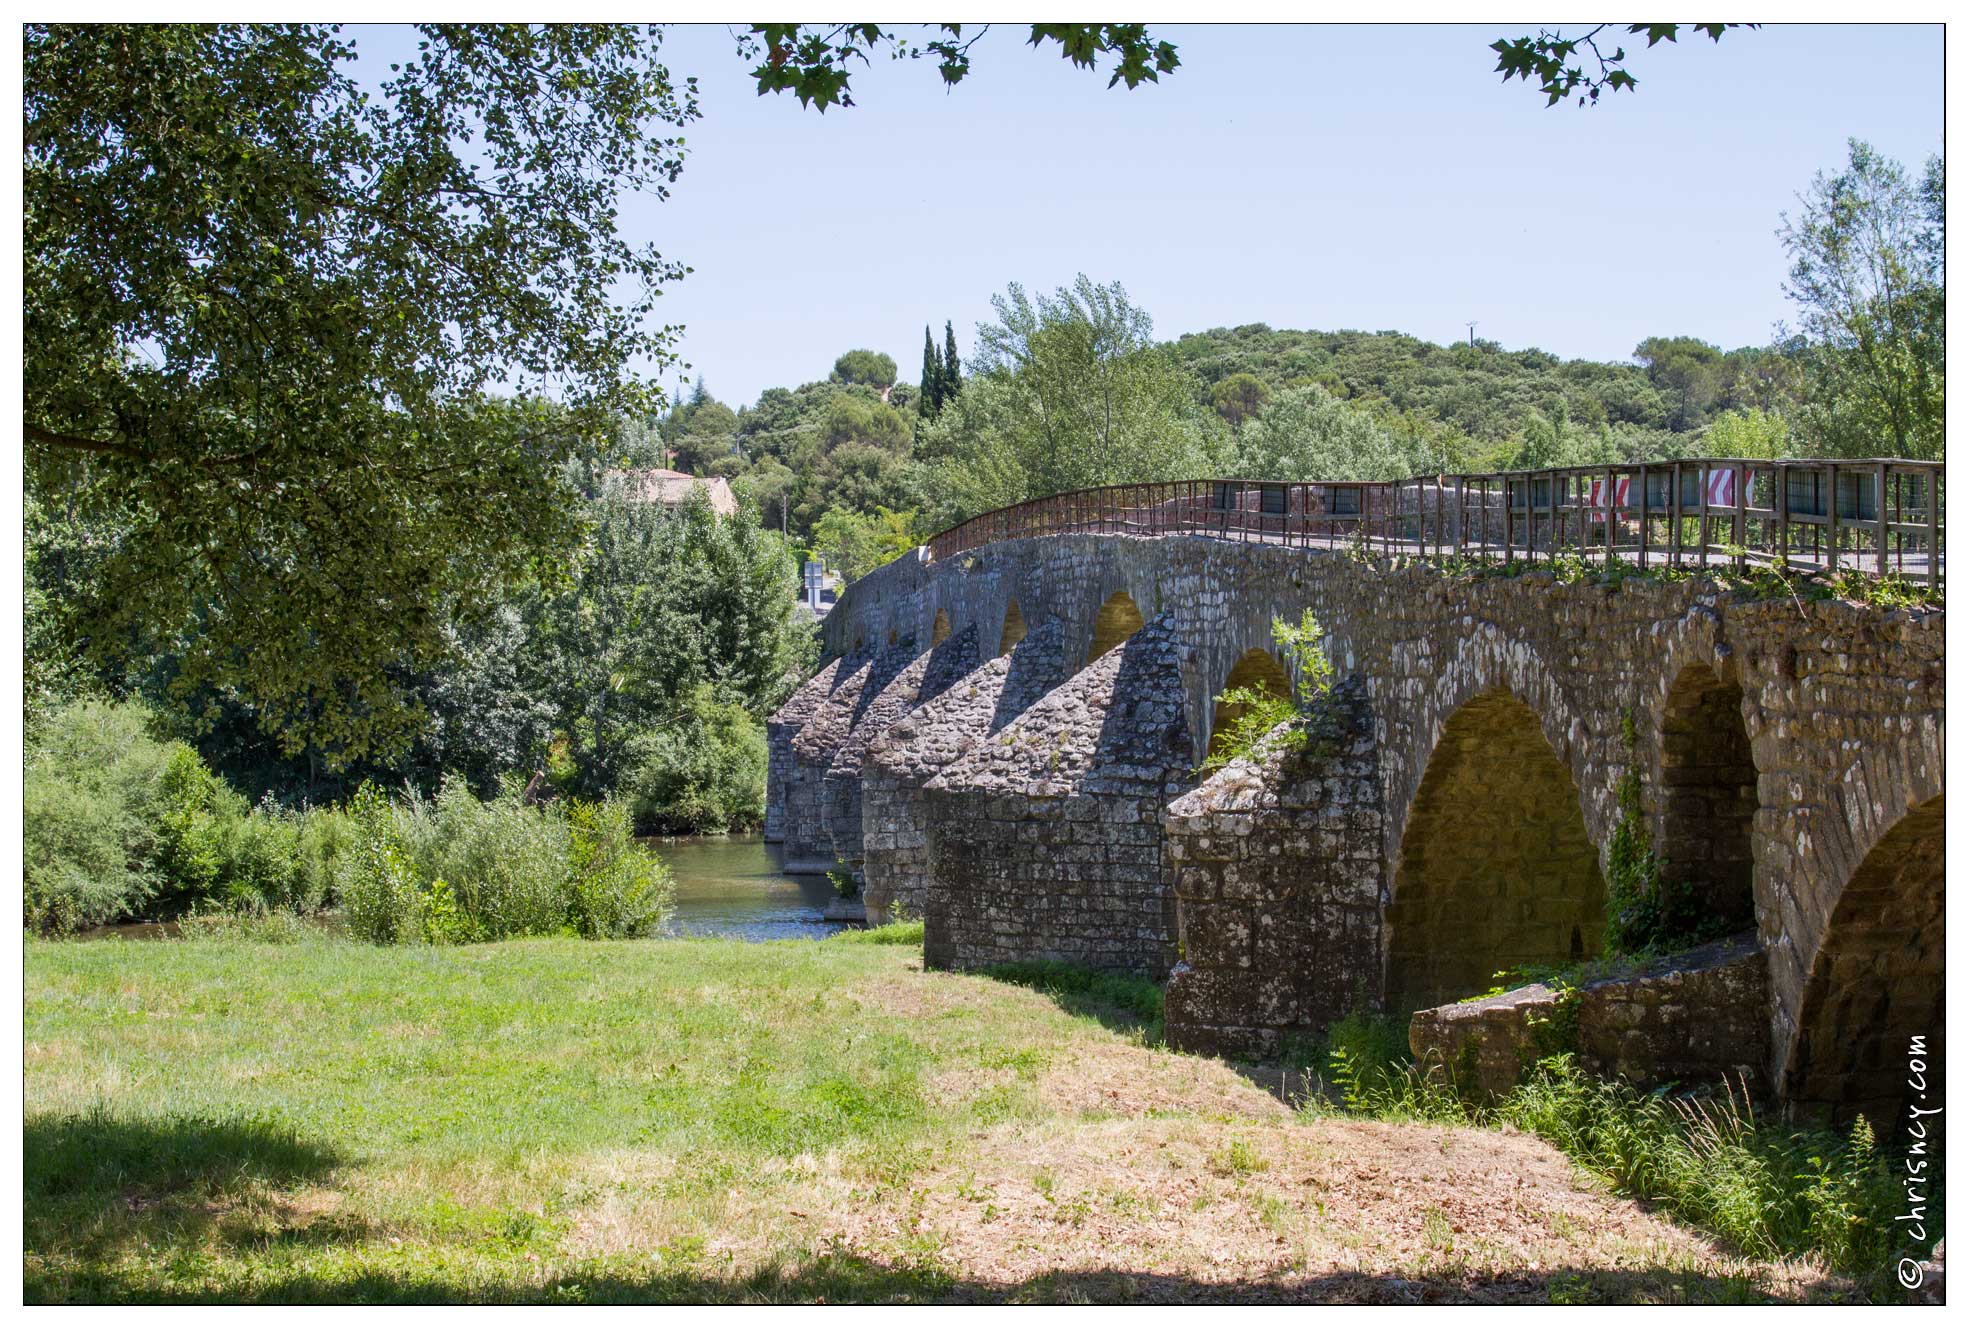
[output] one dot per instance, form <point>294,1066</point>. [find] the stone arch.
<point>1708,787</point>
<point>1483,660</point>
<point>1495,867</point>
<point>1115,621</point>
<point>1257,670</point>
<point>940,628</point>
<point>1876,982</point>
<point>1014,630</point>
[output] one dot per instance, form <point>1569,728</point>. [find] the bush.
<point>91,789</point>
<point>455,869</point>
<point>702,774</point>
<point>1770,1190</point>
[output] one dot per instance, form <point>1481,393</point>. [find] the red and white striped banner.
<point>1721,486</point>
<point>1597,497</point>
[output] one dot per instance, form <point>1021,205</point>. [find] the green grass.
<point>461,1104</point>
<point>310,1118</point>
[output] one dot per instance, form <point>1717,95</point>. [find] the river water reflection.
<point>732,886</point>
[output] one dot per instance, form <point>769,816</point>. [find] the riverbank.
<point>708,1119</point>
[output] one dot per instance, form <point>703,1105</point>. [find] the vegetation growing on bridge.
<point>1256,717</point>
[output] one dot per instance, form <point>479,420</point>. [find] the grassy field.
<point>707,1120</point>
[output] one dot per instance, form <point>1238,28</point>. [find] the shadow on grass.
<point>1125,1005</point>
<point>95,1152</point>
<point>96,1184</point>
<point>843,1277</point>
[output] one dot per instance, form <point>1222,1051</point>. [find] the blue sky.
<point>1306,177</point>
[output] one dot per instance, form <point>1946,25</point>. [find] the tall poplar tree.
<point>930,399</point>
<point>953,374</point>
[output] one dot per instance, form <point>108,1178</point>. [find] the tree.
<point>875,369</point>
<point>1080,396</point>
<point>1544,59</point>
<point>662,601</point>
<point>858,543</point>
<point>812,60</point>
<point>1308,434</point>
<point>1747,433</point>
<point>1689,372</point>
<point>264,312</point>
<point>930,398</point>
<point>1240,397</point>
<point>1867,278</point>
<point>953,369</point>
<point>706,436</point>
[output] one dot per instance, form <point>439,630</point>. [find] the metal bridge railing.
<point>1881,515</point>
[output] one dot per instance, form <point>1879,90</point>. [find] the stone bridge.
<point>1005,740</point>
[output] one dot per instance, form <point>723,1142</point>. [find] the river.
<point>731,886</point>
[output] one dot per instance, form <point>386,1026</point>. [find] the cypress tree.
<point>929,400</point>
<point>953,376</point>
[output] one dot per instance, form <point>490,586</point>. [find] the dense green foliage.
<point>1866,275</point>
<point>266,311</point>
<point>704,770</point>
<point>665,616</point>
<point>873,368</point>
<point>120,822</point>
<point>455,869</point>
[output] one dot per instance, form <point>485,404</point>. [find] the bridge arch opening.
<point>1256,671</point>
<point>940,629</point>
<point>1495,868</point>
<point>1708,795</point>
<point>1115,621</point>
<point>1876,983</point>
<point>1014,630</point>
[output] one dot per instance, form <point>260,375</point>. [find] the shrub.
<point>703,773</point>
<point>455,869</point>
<point>212,848</point>
<point>616,888</point>
<point>90,791</point>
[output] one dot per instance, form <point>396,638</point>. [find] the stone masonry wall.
<point>1046,840</point>
<point>781,728</point>
<point>895,839</point>
<point>841,789</point>
<point>1276,868</point>
<point>809,838</point>
<point>1696,1019</point>
<point>1842,704</point>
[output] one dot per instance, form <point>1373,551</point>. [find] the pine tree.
<point>929,400</point>
<point>953,375</point>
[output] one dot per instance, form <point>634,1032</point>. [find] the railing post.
<point>1782,503</point>
<point>1555,519</point>
<point>1607,497</point>
<point>1934,480</point>
<point>1702,518</point>
<point>1740,524</point>
<point>1880,517</point>
<point>1832,520</point>
<point>1675,516</point>
<point>1644,514</point>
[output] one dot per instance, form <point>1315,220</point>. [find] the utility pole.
<point>1473,333</point>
